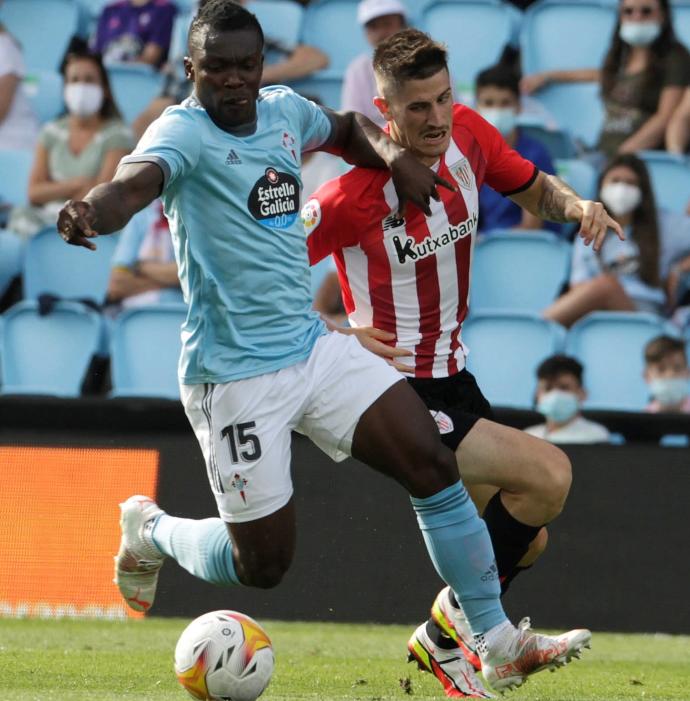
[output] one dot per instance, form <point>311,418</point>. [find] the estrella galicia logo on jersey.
<point>428,247</point>
<point>274,199</point>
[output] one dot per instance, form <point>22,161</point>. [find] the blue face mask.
<point>669,390</point>
<point>558,406</point>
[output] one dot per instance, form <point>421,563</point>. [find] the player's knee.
<point>431,470</point>
<point>556,478</point>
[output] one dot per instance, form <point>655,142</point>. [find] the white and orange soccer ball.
<point>224,656</point>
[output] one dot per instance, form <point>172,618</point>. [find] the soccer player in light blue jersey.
<point>256,363</point>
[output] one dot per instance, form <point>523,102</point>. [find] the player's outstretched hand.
<point>74,224</point>
<point>594,220</point>
<point>375,340</point>
<point>415,182</point>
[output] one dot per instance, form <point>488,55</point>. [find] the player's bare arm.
<point>108,207</point>
<point>363,144</point>
<point>551,199</point>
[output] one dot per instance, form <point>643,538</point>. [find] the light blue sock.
<point>460,548</point>
<point>202,547</point>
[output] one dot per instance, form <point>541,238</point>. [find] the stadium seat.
<point>476,32</point>
<point>563,35</point>
<point>331,25</point>
<point>42,27</point>
<point>281,20</point>
<point>145,349</point>
<point>680,9</point>
<point>69,272</point>
<point>670,176</point>
<point>579,174</point>
<point>134,85</point>
<point>325,86</point>
<point>576,107</point>
<point>44,90</point>
<point>610,345</point>
<point>47,354</point>
<point>15,167</point>
<point>558,143</point>
<point>518,271</point>
<point>505,350</point>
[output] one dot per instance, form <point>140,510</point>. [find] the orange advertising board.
<point>59,527</point>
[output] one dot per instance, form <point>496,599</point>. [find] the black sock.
<point>438,637</point>
<point>511,539</point>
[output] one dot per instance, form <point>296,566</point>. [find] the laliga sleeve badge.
<point>311,215</point>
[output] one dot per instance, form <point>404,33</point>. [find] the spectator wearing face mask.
<point>642,80</point>
<point>667,375</point>
<point>379,19</point>
<point>77,151</point>
<point>560,393</point>
<point>497,94</point>
<point>636,274</point>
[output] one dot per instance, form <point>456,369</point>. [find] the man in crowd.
<point>667,375</point>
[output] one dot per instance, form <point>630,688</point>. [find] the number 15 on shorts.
<point>244,446</point>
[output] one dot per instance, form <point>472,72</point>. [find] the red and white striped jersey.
<point>411,276</point>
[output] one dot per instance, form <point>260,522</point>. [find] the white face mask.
<point>503,118</point>
<point>621,198</point>
<point>639,33</point>
<point>669,391</point>
<point>83,99</point>
<point>558,405</point>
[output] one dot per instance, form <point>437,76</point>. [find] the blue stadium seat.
<point>325,86</point>
<point>69,272</point>
<point>15,167</point>
<point>44,90</point>
<point>331,25</point>
<point>145,350</point>
<point>610,345</point>
<point>47,354</point>
<point>518,271</point>
<point>505,350</point>
<point>11,253</point>
<point>281,20</point>
<point>43,28</point>
<point>562,35</point>
<point>680,10</point>
<point>670,176</point>
<point>579,174</point>
<point>476,32</point>
<point>558,143</point>
<point>134,85</point>
<point>576,107</point>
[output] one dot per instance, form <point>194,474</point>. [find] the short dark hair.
<point>224,15</point>
<point>409,54</point>
<point>663,346</point>
<point>498,76</point>
<point>558,365</point>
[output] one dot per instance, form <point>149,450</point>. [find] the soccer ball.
<point>224,656</point>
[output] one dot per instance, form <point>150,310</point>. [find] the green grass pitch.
<point>128,661</point>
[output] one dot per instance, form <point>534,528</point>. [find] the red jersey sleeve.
<point>507,171</point>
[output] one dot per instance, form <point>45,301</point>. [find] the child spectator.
<point>667,375</point>
<point>135,30</point>
<point>144,269</point>
<point>497,93</point>
<point>78,150</point>
<point>18,124</point>
<point>560,393</point>
<point>642,80</point>
<point>635,274</point>
<point>379,19</point>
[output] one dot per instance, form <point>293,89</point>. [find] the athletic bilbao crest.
<point>462,173</point>
<point>443,421</point>
<point>274,199</point>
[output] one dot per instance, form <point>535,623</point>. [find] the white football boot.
<point>450,667</point>
<point>451,620</point>
<point>529,653</point>
<point>138,561</point>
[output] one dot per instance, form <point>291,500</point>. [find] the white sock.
<point>496,641</point>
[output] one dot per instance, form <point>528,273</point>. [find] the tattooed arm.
<point>551,199</point>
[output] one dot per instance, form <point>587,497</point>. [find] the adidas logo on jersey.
<point>428,247</point>
<point>233,159</point>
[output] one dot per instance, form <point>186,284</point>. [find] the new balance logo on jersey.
<point>428,247</point>
<point>233,159</point>
<point>392,222</point>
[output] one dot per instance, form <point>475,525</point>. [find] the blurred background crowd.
<point>596,91</point>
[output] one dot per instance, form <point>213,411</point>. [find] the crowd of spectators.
<point>645,89</point>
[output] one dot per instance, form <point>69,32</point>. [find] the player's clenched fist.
<point>74,224</point>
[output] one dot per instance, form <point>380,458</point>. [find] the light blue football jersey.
<point>233,203</point>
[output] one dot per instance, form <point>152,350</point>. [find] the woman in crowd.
<point>639,273</point>
<point>642,80</point>
<point>78,150</point>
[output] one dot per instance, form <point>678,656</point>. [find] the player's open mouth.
<point>236,101</point>
<point>435,137</point>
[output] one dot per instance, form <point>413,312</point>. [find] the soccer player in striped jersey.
<point>405,277</point>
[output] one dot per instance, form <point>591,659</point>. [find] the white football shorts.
<point>244,427</point>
